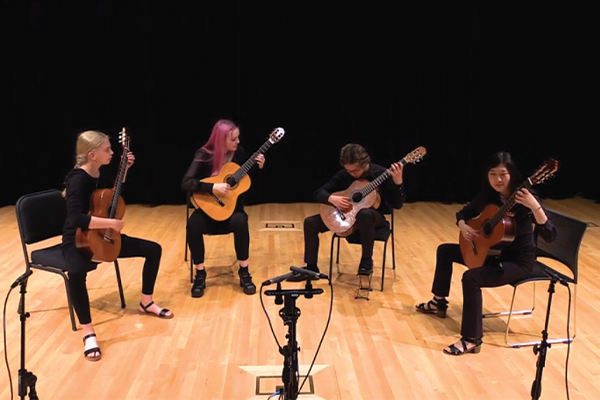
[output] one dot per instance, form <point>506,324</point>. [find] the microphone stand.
<point>290,314</point>
<point>26,378</point>
<point>541,349</point>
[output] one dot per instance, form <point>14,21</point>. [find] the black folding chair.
<point>41,216</point>
<point>382,234</point>
<point>564,249</point>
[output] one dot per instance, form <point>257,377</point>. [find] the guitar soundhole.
<point>356,197</point>
<point>231,181</point>
<point>487,229</point>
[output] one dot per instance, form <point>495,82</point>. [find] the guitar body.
<point>103,245</point>
<point>476,251</point>
<point>342,223</point>
<point>220,207</point>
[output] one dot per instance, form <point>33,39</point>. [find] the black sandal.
<point>434,306</point>
<point>455,351</point>
<point>162,314</point>
<point>96,349</point>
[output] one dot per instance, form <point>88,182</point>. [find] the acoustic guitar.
<point>362,194</point>
<point>104,245</point>
<point>496,225</point>
<point>220,207</point>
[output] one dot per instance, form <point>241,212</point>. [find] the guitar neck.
<point>240,173</point>
<point>118,188</point>
<point>508,204</point>
<point>375,183</point>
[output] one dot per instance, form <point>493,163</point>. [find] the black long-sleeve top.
<point>391,194</point>
<point>79,187</point>
<point>203,169</point>
<point>522,249</point>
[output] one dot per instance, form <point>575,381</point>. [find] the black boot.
<point>365,267</point>
<point>199,283</point>
<point>246,281</point>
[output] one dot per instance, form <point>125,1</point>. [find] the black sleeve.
<point>469,211</point>
<point>77,215</point>
<point>394,194</point>
<point>547,230</point>
<point>335,184</point>
<point>197,170</point>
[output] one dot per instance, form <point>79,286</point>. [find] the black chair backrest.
<point>565,247</point>
<point>41,215</point>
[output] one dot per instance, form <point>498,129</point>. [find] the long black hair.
<point>487,193</point>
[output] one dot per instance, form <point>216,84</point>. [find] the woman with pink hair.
<point>222,147</point>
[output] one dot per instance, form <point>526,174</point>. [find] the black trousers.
<point>201,224</point>
<point>367,221</point>
<point>80,263</point>
<point>487,276</point>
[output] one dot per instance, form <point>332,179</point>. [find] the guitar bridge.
<point>108,239</point>
<point>341,214</point>
<point>219,201</point>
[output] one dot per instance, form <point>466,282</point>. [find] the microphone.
<point>21,279</point>
<point>303,271</point>
<point>279,278</point>
<point>555,276</point>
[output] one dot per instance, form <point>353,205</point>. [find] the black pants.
<point>80,263</point>
<point>200,224</point>
<point>367,221</point>
<point>473,280</point>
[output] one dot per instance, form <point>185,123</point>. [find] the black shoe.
<point>302,278</point>
<point>246,281</point>
<point>199,283</point>
<point>365,267</point>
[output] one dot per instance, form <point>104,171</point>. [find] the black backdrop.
<point>460,78</point>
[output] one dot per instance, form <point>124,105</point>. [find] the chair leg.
<point>337,259</point>
<point>393,251</point>
<point>331,259</point>
<point>383,264</point>
<point>119,284</point>
<point>511,311</point>
<point>70,303</point>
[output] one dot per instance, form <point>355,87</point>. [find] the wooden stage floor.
<point>220,346</point>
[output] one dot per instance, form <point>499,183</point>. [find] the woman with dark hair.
<point>222,147</point>
<point>516,259</point>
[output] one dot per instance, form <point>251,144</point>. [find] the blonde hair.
<point>87,141</point>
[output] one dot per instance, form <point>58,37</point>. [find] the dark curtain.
<point>463,79</point>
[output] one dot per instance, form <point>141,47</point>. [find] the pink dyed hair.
<point>215,146</point>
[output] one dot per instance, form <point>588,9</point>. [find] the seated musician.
<point>221,147</point>
<point>93,151</point>
<point>356,164</point>
<point>514,263</point>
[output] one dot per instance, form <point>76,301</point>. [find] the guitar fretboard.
<point>240,173</point>
<point>118,188</point>
<point>508,204</point>
<point>375,183</point>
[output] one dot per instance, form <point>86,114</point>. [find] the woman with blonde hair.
<point>93,151</point>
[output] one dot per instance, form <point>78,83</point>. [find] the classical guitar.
<point>362,194</point>
<point>496,224</point>
<point>220,207</point>
<point>104,245</point>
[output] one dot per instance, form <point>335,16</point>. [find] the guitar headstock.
<point>276,135</point>
<point>544,171</point>
<point>124,139</point>
<point>416,155</point>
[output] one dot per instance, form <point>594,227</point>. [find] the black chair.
<point>41,216</point>
<point>187,216</point>
<point>564,249</point>
<point>382,234</point>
